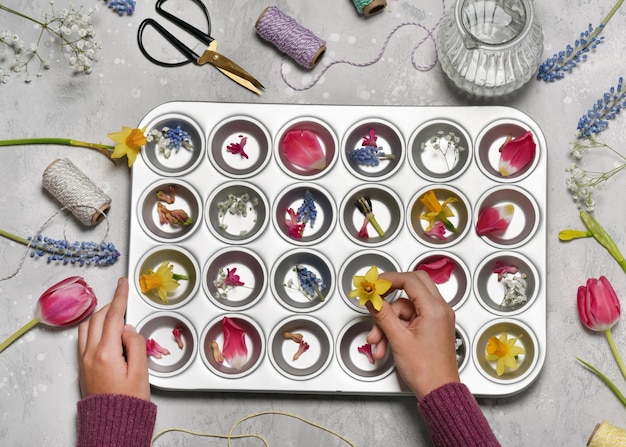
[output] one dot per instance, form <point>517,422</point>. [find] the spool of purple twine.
<point>290,37</point>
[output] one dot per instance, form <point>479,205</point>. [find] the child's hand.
<point>420,331</point>
<point>112,355</point>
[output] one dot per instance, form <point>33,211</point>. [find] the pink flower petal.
<point>155,350</point>
<point>370,140</point>
<point>232,279</point>
<point>303,346</point>
<point>517,153</point>
<point>438,230</point>
<point>177,332</point>
<point>235,350</point>
<point>367,350</point>
<point>495,218</point>
<point>237,148</point>
<point>302,148</point>
<point>439,270</point>
<point>363,234</point>
<point>502,269</point>
<point>295,229</point>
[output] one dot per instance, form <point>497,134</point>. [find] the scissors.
<point>210,55</point>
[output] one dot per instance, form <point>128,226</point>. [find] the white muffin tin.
<point>264,253</point>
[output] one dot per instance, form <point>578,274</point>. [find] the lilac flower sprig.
<point>81,253</point>
<point>559,64</point>
<point>605,109</point>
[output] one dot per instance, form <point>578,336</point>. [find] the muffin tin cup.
<point>283,350</point>
<point>489,142</point>
<point>524,222</point>
<point>186,198</point>
<point>244,266</point>
<point>183,263</point>
<point>458,287</point>
<point>286,285</point>
<point>272,281</point>
<point>293,198</point>
<point>358,264</point>
<point>159,327</point>
<point>389,144</point>
<point>461,219</point>
<point>183,160</point>
<point>234,227</point>
<point>440,150</point>
<point>232,133</point>
<point>254,341</point>
<point>326,139</point>
<point>527,340</point>
<point>356,364</point>
<point>387,210</point>
<point>491,291</point>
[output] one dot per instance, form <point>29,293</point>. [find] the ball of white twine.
<point>76,192</point>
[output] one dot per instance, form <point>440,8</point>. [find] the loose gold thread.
<point>231,436</point>
<point>607,435</point>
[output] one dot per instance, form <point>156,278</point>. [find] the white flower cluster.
<point>514,288</point>
<point>448,145</point>
<point>69,28</point>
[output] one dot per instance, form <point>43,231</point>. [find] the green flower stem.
<point>616,354</point>
<point>178,277</point>
<point>609,16</point>
<point>14,238</point>
<point>606,380</point>
<point>603,238</point>
<point>104,148</point>
<point>28,326</point>
<point>375,224</point>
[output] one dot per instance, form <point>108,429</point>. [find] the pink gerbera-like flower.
<point>439,270</point>
<point>495,218</point>
<point>517,153</point>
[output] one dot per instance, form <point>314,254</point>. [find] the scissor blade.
<point>230,69</point>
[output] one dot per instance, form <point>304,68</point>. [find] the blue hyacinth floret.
<point>310,284</point>
<point>121,7</point>
<point>178,138</point>
<point>367,155</point>
<point>556,66</point>
<point>307,213</point>
<point>605,109</point>
<point>81,253</point>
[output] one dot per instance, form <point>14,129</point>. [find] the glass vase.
<point>490,47</point>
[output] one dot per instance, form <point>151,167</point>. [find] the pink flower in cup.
<point>64,304</point>
<point>517,153</point>
<point>235,350</point>
<point>495,218</point>
<point>439,270</point>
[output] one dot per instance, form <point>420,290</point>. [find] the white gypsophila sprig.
<point>581,182</point>
<point>70,28</point>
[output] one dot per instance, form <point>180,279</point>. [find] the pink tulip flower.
<point>517,153</point>
<point>598,305</point>
<point>64,304</point>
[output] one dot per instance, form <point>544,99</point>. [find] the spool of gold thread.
<point>607,435</point>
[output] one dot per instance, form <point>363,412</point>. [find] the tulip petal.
<point>517,153</point>
<point>302,148</point>
<point>235,350</point>
<point>495,218</point>
<point>598,305</point>
<point>439,270</point>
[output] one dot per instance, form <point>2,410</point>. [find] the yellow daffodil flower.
<point>370,288</point>
<point>437,211</point>
<point>503,351</point>
<point>164,280</point>
<point>129,142</point>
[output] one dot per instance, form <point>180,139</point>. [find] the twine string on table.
<point>230,436</point>
<point>369,7</point>
<point>429,35</point>
<point>76,192</point>
<point>607,435</point>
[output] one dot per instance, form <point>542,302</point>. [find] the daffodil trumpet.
<point>364,204</point>
<point>129,142</point>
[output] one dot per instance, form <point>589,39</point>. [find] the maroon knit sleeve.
<point>454,419</point>
<point>113,420</point>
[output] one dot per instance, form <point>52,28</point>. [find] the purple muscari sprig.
<point>121,6</point>
<point>369,155</point>
<point>307,211</point>
<point>310,283</point>
<point>605,109</point>
<point>81,253</point>
<point>556,66</point>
